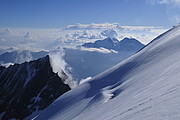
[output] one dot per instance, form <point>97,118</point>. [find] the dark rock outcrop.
<point>29,87</point>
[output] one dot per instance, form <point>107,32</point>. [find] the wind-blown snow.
<point>85,80</point>
<point>59,65</point>
<point>143,87</point>
<point>6,64</point>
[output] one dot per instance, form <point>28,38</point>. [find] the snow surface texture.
<point>143,87</point>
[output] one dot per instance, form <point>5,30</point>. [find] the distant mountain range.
<point>84,63</point>
<point>127,44</point>
<point>21,56</point>
<point>29,87</point>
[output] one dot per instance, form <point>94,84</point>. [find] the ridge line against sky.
<point>60,13</point>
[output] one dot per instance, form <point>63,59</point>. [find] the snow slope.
<point>143,87</point>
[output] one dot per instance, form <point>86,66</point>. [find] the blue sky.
<point>59,13</point>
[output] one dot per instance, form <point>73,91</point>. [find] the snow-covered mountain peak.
<point>130,40</point>
<point>144,87</point>
<point>127,44</point>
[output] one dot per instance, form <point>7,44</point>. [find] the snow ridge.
<point>146,86</point>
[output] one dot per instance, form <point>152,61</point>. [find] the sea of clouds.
<point>71,35</point>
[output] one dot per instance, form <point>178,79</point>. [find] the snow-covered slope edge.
<point>143,87</point>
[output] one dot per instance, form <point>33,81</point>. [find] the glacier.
<point>145,86</point>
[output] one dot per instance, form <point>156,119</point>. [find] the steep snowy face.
<point>28,87</point>
<point>143,87</point>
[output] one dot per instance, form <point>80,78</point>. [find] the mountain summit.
<point>29,87</point>
<point>127,44</point>
<point>145,86</point>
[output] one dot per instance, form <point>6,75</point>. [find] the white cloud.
<point>171,3</point>
<point>111,33</point>
<point>100,50</point>
<point>8,49</point>
<point>143,33</point>
<point>174,3</point>
<point>28,39</point>
<point>6,31</point>
<point>23,56</point>
<point>49,39</point>
<point>91,26</point>
<point>28,36</point>
<point>103,26</point>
